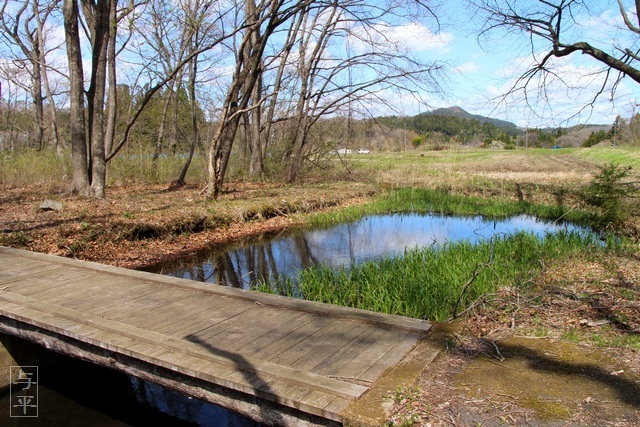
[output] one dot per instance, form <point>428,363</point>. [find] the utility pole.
<point>405,137</point>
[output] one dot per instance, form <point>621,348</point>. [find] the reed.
<point>436,282</point>
<point>440,202</point>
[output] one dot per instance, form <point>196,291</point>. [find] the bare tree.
<point>258,22</point>
<point>81,181</point>
<point>166,39</point>
<point>197,30</point>
<point>332,76</point>
<point>24,28</point>
<point>560,28</point>
<point>90,149</point>
<point>305,62</point>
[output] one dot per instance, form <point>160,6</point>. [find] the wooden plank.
<point>250,325</point>
<point>138,313</point>
<point>392,358</point>
<point>242,341</point>
<point>169,318</point>
<point>52,281</point>
<point>347,351</point>
<point>279,337</point>
<point>149,340</point>
<point>15,277</point>
<point>206,319</point>
<point>324,401</point>
<point>72,287</point>
<point>318,335</point>
<point>191,311</point>
<point>14,266</point>
<point>113,296</point>
<point>366,356</point>
<point>305,338</point>
<point>115,299</point>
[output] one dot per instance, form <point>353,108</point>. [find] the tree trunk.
<point>221,151</point>
<point>37,136</point>
<point>96,95</point>
<point>255,143</point>
<point>112,98</point>
<point>163,121</point>
<point>76,98</point>
<point>193,70</point>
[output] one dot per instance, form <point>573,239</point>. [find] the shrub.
<point>607,192</point>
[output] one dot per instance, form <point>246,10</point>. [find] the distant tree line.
<point>451,129</point>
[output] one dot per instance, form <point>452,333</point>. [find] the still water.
<point>71,392</point>
<point>344,245</point>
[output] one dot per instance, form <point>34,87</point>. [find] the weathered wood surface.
<point>304,356</point>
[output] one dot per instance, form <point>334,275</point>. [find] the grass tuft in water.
<point>430,283</point>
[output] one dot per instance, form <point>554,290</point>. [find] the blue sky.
<point>480,75</point>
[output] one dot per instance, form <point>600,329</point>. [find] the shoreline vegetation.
<point>439,283</point>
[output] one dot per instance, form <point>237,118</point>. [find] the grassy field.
<point>453,168</point>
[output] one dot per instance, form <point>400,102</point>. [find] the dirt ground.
<point>563,351</point>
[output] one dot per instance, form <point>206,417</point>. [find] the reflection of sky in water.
<point>347,244</point>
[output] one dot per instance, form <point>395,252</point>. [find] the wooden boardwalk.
<point>275,359</point>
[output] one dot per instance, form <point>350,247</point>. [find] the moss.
<point>551,378</point>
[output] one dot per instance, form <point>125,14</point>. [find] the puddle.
<point>347,244</point>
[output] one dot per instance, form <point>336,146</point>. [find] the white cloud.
<point>416,37</point>
<point>468,68</point>
<point>412,37</point>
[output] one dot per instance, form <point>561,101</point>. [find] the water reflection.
<point>73,392</point>
<point>345,245</point>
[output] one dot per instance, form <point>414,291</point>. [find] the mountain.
<point>462,114</point>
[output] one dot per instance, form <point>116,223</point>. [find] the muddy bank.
<point>139,227</point>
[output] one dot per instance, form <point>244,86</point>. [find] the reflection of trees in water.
<point>242,267</point>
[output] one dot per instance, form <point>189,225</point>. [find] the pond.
<point>347,244</point>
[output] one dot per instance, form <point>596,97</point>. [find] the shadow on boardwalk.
<point>250,374</point>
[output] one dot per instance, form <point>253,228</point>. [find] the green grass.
<point>433,282</point>
<point>49,169</point>
<point>602,339</point>
<point>626,155</point>
<point>141,169</point>
<point>434,201</point>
